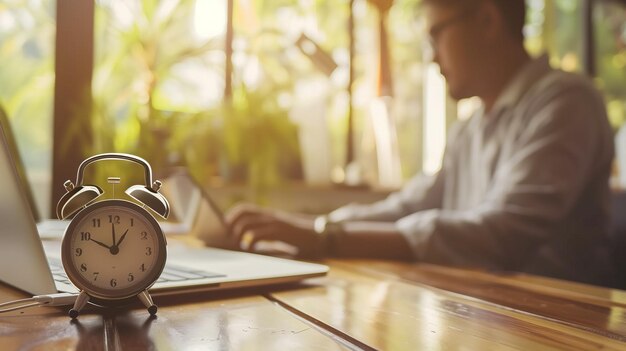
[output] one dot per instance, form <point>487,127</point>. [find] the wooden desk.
<point>361,304</point>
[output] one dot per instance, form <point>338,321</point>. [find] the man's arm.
<point>561,151</point>
<point>251,224</point>
<point>420,193</point>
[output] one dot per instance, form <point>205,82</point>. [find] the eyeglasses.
<point>435,31</point>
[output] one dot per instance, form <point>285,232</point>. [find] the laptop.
<point>25,259</point>
<point>194,211</point>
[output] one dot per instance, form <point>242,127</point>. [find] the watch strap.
<point>329,231</point>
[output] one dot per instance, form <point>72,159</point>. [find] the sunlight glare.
<point>434,119</point>
<point>209,19</point>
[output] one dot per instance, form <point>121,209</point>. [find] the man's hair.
<point>513,12</point>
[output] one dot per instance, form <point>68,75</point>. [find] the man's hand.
<point>251,224</point>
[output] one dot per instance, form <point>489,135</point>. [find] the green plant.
<point>260,139</point>
<point>246,138</point>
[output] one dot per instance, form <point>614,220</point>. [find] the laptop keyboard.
<point>169,274</point>
<point>177,274</point>
<point>58,274</point>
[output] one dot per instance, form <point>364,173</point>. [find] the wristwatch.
<point>328,230</point>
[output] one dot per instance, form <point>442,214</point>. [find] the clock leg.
<point>145,298</point>
<point>80,302</point>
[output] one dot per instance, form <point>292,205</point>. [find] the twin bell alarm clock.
<point>114,249</point>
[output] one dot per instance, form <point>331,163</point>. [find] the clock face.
<point>113,249</point>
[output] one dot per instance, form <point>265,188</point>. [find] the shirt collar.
<point>530,73</point>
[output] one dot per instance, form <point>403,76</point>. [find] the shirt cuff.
<point>417,228</point>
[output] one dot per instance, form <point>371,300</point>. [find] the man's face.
<point>457,47</point>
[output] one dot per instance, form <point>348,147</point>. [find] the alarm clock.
<point>113,250</point>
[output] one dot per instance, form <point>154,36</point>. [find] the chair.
<point>618,235</point>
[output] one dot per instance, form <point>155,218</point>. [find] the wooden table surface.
<point>361,304</point>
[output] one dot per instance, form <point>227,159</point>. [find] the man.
<point>524,182</point>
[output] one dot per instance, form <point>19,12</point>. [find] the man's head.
<point>469,36</point>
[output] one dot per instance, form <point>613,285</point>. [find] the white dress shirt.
<point>524,187</point>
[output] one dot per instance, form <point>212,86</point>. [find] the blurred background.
<point>267,101</point>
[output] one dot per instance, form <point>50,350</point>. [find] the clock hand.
<point>115,249</point>
<point>113,227</point>
<point>100,243</point>
<point>122,238</point>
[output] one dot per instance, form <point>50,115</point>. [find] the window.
<point>159,86</point>
<point>555,27</point>
<point>153,60</point>
<point>27,30</point>
<point>610,56</point>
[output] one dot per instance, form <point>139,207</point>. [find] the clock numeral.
<point>83,267</point>
<point>113,282</point>
<point>148,251</point>
<point>132,222</point>
<point>96,222</point>
<point>144,236</point>
<point>114,219</point>
<point>79,252</point>
<point>85,236</point>
<point>142,267</point>
<point>131,277</point>
<point>95,276</point>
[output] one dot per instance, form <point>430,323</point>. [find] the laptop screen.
<point>9,139</point>
<point>23,263</point>
<point>195,208</point>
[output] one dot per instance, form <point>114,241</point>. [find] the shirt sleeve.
<point>556,155</point>
<point>420,193</point>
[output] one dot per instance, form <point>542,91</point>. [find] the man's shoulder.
<point>559,83</point>
<point>560,96</point>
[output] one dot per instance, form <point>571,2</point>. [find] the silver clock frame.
<point>110,297</point>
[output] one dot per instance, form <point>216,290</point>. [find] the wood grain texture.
<point>590,308</point>
<point>361,304</point>
<point>388,313</point>
<point>218,321</point>
<point>241,323</point>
